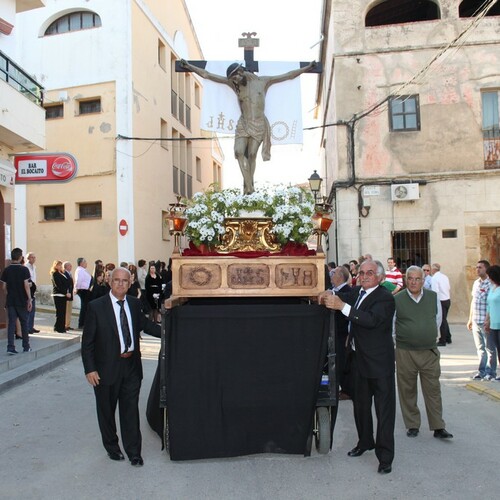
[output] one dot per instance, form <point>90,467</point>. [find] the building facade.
<point>22,120</point>
<point>410,105</point>
<point>114,101</point>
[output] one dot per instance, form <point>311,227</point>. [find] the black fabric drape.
<point>242,378</point>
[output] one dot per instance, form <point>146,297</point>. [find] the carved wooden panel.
<point>296,275</point>
<point>200,276</point>
<point>248,275</point>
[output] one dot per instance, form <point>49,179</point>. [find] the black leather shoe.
<point>357,452</point>
<point>137,461</point>
<point>35,331</point>
<point>441,344</point>
<point>412,433</point>
<point>442,434</point>
<point>116,455</point>
<point>384,468</point>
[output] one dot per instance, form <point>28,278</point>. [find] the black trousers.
<point>444,329</point>
<point>343,363</point>
<point>125,392</point>
<point>60,304</point>
<point>382,391</point>
<point>84,300</point>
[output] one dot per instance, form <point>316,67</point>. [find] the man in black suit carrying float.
<point>112,362</point>
<point>370,310</point>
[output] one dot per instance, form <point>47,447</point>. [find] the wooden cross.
<point>248,43</point>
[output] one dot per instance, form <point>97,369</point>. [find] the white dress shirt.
<point>116,309</point>
<point>441,285</point>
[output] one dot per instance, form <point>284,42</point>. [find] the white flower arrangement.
<point>290,208</point>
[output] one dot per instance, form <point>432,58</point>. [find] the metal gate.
<point>410,248</point>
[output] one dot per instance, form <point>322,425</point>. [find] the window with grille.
<point>56,111</point>
<point>90,106</point>
<point>53,212</point>
<point>75,21</point>
<point>410,248</point>
<point>90,210</point>
<point>404,113</point>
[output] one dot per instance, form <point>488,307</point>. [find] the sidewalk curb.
<point>26,372</point>
<point>484,388</point>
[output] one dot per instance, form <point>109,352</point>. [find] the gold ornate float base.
<point>247,234</point>
<point>274,276</point>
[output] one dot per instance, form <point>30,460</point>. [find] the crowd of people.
<point>389,326</point>
<point>385,318</point>
<point>150,282</point>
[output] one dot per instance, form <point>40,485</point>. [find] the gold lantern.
<point>321,222</point>
<point>177,222</point>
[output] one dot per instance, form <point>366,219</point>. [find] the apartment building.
<point>115,103</point>
<point>410,107</point>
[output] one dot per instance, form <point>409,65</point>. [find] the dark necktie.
<point>350,339</point>
<point>362,293</point>
<point>127,339</point>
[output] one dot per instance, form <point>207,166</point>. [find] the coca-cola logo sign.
<point>62,167</point>
<point>45,167</point>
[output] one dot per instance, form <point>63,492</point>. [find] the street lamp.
<point>321,218</point>
<point>315,184</point>
<point>177,222</point>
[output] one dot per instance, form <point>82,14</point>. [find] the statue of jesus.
<point>253,127</point>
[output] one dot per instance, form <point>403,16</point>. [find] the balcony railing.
<point>180,109</point>
<point>173,103</point>
<point>491,148</point>
<point>188,117</point>
<point>11,73</point>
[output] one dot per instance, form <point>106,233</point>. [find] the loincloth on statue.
<point>260,131</point>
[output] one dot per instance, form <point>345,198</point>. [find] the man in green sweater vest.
<point>417,320</point>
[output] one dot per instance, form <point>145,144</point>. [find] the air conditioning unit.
<point>404,192</point>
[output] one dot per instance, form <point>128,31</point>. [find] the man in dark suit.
<point>370,310</point>
<point>112,362</point>
<point>339,279</point>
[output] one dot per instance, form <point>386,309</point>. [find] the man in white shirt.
<point>31,258</point>
<point>441,285</point>
<point>83,282</point>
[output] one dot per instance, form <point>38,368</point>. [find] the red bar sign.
<point>45,167</point>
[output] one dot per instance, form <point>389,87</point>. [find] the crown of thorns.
<point>233,68</point>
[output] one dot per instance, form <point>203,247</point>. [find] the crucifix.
<point>253,128</point>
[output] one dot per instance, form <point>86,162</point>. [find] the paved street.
<point>51,448</point>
